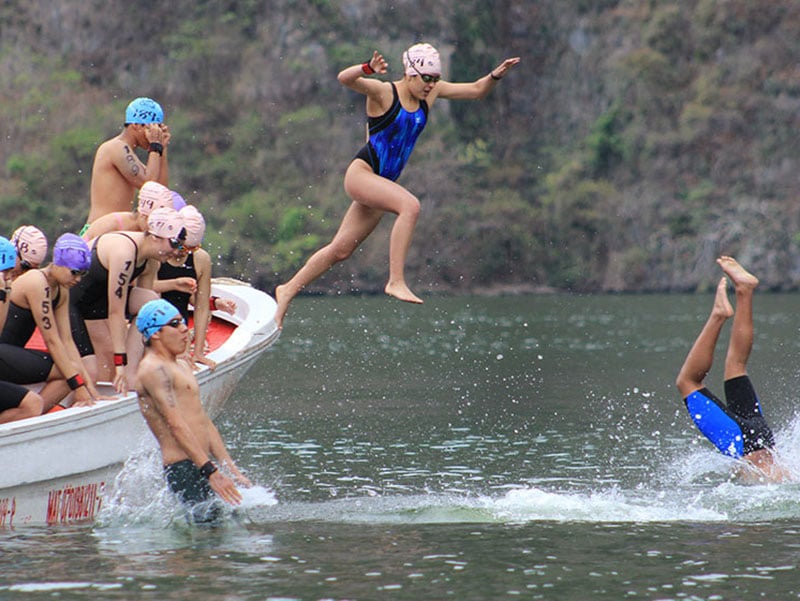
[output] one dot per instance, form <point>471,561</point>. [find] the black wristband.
<point>75,382</point>
<point>493,76</point>
<point>157,147</point>
<point>207,469</point>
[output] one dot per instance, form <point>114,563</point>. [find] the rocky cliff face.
<point>635,142</point>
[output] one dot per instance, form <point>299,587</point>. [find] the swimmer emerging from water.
<point>397,113</point>
<point>737,428</point>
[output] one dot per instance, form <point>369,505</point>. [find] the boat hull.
<point>61,464</point>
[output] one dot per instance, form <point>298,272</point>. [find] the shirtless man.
<point>737,428</point>
<point>169,399</point>
<point>117,172</point>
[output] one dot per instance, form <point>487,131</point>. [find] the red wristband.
<point>367,68</point>
<point>120,359</point>
<point>75,382</point>
<point>212,303</point>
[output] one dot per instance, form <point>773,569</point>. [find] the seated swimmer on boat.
<point>39,298</point>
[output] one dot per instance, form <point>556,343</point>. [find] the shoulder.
<point>115,145</point>
<point>202,259</point>
<point>153,372</point>
<point>118,245</point>
<point>29,282</point>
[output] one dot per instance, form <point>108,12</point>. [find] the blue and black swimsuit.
<point>736,428</point>
<point>392,137</point>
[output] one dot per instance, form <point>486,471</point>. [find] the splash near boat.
<point>64,461</point>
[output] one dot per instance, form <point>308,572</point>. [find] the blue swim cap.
<point>8,254</point>
<point>154,315</point>
<point>144,110</point>
<point>70,250</point>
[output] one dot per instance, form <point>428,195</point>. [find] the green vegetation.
<point>635,141</point>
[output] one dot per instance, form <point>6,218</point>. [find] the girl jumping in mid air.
<point>397,113</point>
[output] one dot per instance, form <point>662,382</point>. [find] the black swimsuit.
<point>168,271</point>
<point>17,363</point>
<point>88,300</point>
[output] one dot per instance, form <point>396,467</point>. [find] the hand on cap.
<point>154,133</point>
<point>165,134</point>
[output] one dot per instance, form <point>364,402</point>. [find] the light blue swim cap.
<point>8,254</point>
<point>144,110</point>
<point>154,315</point>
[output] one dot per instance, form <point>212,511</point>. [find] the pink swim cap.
<point>195,225</point>
<point>166,222</point>
<point>422,59</point>
<point>31,244</point>
<point>153,195</point>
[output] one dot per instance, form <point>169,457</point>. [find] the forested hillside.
<point>635,142</point>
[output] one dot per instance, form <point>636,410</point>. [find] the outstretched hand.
<point>225,488</point>
<point>377,63</point>
<point>500,70</point>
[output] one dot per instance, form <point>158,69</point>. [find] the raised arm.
<point>477,89</point>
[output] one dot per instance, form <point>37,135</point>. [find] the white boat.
<point>58,465</point>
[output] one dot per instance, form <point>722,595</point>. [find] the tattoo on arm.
<point>122,280</point>
<point>167,385</point>
<point>133,162</point>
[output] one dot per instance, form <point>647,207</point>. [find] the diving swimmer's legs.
<point>698,361</point>
<point>701,356</point>
<point>741,342</point>
<point>372,197</point>
<point>739,348</point>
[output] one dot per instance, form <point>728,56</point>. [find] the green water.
<point>470,448</point>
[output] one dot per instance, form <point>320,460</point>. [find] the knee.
<point>339,252</point>
<point>32,405</point>
<point>412,207</point>
<point>686,385</point>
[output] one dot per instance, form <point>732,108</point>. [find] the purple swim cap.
<point>177,201</point>
<point>72,251</point>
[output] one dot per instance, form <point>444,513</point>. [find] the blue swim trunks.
<point>736,428</point>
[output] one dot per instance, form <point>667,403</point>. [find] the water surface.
<point>470,448</point>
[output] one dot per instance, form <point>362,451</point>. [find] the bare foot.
<point>283,299</point>
<point>401,292</point>
<point>722,306</point>
<point>741,278</point>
